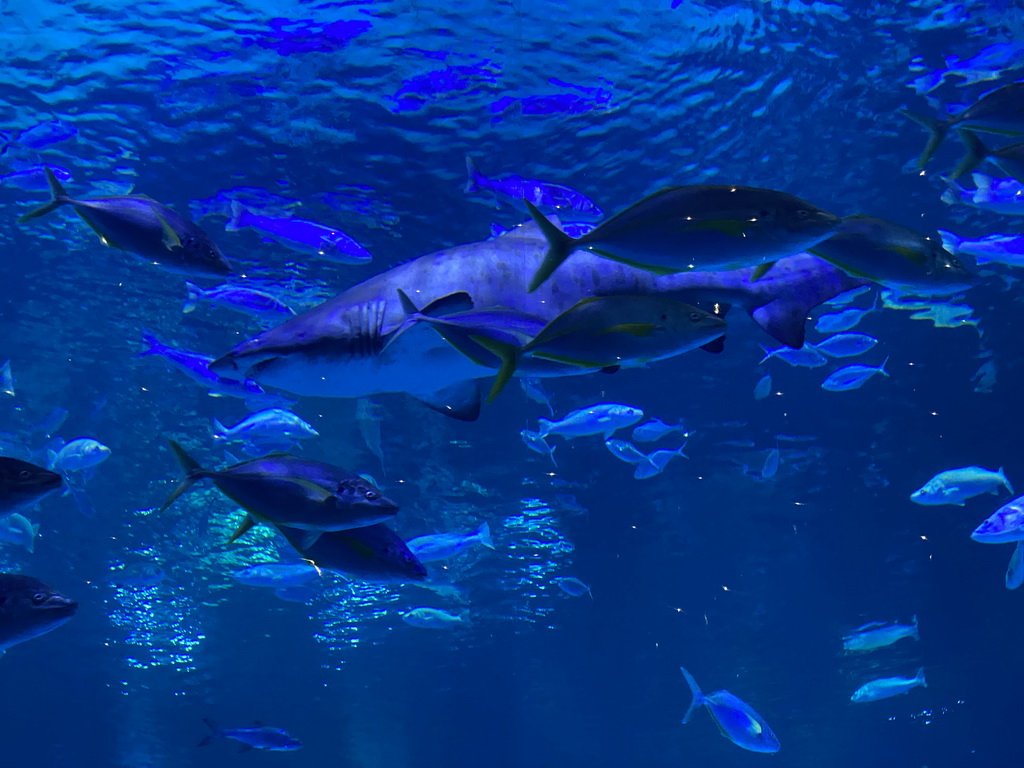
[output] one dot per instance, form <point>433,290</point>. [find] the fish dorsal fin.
<point>170,239</point>
<point>247,523</point>
<point>528,230</point>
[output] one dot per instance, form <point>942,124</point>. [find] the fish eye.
<point>24,474</point>
<point>694,317</point>
<point>371,495</point>
<point>803,213</point>
<point>38,598</point>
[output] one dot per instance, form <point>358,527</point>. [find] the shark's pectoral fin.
<point>459,401</point>
<point>783,321</point>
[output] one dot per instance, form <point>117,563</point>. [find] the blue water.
<point>361,115</point>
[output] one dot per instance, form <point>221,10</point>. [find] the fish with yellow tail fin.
<point>142,226</point>
<point>704,227</point>
<point>287,490</point>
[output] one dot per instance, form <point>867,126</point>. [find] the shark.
<point>340,348</point>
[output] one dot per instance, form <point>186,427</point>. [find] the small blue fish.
<point>655,429</point>
<point>434,618</point>
<point>1004,526</point>
<point>804,357</point>
<point>259,737</point>
<point>601,419</point>
<point>887,687</point>
<point>955,486</point>
<point>735,719</point>
<point>763,388</point>
<point>18,529</point>
<point>548,197</point>
<point>852,377</point>
<point>239,299</point>
<point>870,637</point>
<point>1001,249</point>
<point>573,586</point>
<point>1004,196</point>
<point>441,546</point>
<point>78,455</point>
<point>535,391</point>
<point>1014,570</point>
<point>655,463</point>
<point>846,344</point>
<point>276,575</point>
<point>272,424</point>
<point>42,135</point>
<point>771,464</point>
<point>34,179</point>
<point>299,235</point>
<point>840,321</point>
<point>538,444</point>
<point>623,450</point>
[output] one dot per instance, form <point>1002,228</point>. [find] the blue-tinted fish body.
<point>548,197</point>
<point>373,553</point>
<point>887,687</point>
<point>257,737</point>
<point>771,464</point>
<point>34,178</point>
<point>655,462</point>
<point>573,586</point>
<point>806,356</point>
<point>197,368</point>
<point>1015,568</point>
<point>144,227</point>
<point>239,299</point>
<point>299,235</point>
<point>852,377</point>
<point>535,391</point>
<point>895,256</point>
<point>736,720</point>
<point>696,228</point>
<point>1002,249</point>
<point>536,443</point>
<point>433,618</point>
<point>840,321</point>
<point>79,455</point>
<point>846,344</point>
<point>441,546</point>
<point>763,388</point>
<point>18,529</point>
<point>874,637</point>
<point>1003,526</point>
<point>601,419</point>
<point>955,486</point>
<point>1004,196</point>
<point>655,429</point>
<point>275,575</point>
<point>267,425</point>
<point>44,134</point>
<point>325,351</point>
<point>625,451</point>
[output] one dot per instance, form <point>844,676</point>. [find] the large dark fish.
<point>288,490</point>
<point>23,485</point>
<point>335,349</point>
<point>375,553</point>
<point>29,608</point>
<point>144,227</point>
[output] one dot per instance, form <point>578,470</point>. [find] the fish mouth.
<point>59,604</point>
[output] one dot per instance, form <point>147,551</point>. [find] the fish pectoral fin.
<point>310,538</point>
<point>170,238</point>
<point>760,271</point>
<point>104,238</point>
<point>459,401</point>
<point>716,346</point>
<point>241,530</point>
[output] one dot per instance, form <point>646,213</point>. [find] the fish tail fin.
<point>937,130</point>
<point>881,368</point>
<point>983,182</point>
<point>543,428</point>
<point>191,468</point>
<point>698,697</point>
<point>1002,476</point>
<point>920,676</point>
<point>153,345</point>
<point>473,176</point>
<point>508,354</point>
<point>213,734</point>
<point>976,153</point>
<point>560,245</point>
<point>950,241</point>
<point>219,430</point>
<point>58,197</point>
<point>916,635</point>
<point>195,293</point>
<point>768,354</point>
<point>483,535</point>
<point>235,222</point>
<point>551,452</point>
